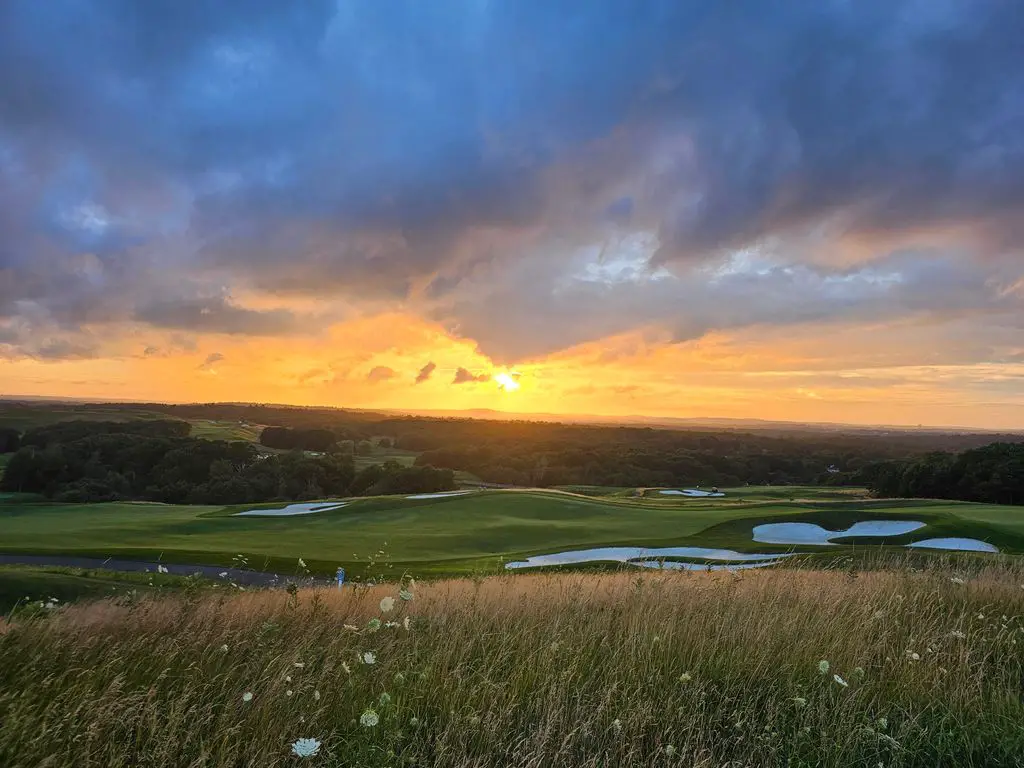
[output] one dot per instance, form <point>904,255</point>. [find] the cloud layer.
<point>530,176</point>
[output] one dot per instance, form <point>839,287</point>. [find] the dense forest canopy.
<point>514,452</point>
<point>107,461</point>
<point>993,474</point>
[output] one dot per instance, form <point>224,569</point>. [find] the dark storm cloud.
<point>463,376</point>
<point>425,372</point>
<point>218,315</point>
<point>211,360</point>
<point>374,150</point>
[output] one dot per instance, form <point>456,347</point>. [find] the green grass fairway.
<point>460,533</point>
<point>21,585</point>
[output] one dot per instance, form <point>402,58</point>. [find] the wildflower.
<point>316,695</point>
<point>247,697</point>
<point>685,677</point>
<point>823,667</point>
<point>369,657</point>
<point>305,747</point>
<point>373,625</point>
<point>405,595</point>
<point>302,563</point>
<point>405,623</point>
<point>840,680</point>
<point>878,615</point>
<point>369,718</point>
<point>288,678</point>
<point>299,664</point>
<point>913,656</point>
<point>669,750</point>
<point>399,678</point>
<point>800,701</point>
<point>391,625</point>
<point>288,693</point>
<point>384,699</point>
<point>858,674</point>
<point>883,723</point>
<point>387,604</point>
<point>958,634</point>
<point>224,648</point>
<point>474,720</point>
<point>351,627</point>
<point>957,580</point>
<point>657,639</point>
<point>223,574</point>
<point>412,584</point>
<point>617,726</point>
<point>414,722</point>
<point>162,569</point>
<point>346,667</point>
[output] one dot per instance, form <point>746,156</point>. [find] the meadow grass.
<point>924,668</point>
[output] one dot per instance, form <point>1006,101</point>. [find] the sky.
<point>803,210</point>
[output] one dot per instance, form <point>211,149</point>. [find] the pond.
<point>645,556</point>
<point>810,533</point>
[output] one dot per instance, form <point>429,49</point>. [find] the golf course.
<point>482,530</point>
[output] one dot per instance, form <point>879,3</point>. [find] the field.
<point>772,668</point>
<point>470,533</point>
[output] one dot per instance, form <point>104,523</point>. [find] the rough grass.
<point>570,670</point>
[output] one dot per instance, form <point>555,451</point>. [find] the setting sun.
<point>507,381</point>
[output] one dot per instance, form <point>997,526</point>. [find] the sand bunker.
<point>439,495</point>
<point>690,492</point>
<point>640,556</point>
<point>293,509</point>
<point>966,545</point>
<point>809,533</point>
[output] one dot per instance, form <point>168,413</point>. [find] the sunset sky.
<point>803,210</point>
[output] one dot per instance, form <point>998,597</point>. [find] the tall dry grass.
<point>660,669</point>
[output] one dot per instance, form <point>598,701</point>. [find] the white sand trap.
<point>964,545</point>
<point>440,495</point>
<point>809,533</point>
<point>293,509</point>
<point>640,556</point>
<point>689,492</point>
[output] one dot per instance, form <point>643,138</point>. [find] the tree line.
<point>156,460</point>
<point>993,474</point>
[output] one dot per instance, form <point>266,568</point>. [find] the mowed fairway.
<point>458,533</point>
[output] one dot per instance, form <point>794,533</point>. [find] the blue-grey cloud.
<point>464,376</point>
<point>395,149</point>
<point>425,372</point>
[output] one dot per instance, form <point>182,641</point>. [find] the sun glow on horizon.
<point>507,381</point>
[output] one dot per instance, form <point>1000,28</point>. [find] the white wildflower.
<point>858,673</point>
<point>346,667</point>
<point>823,667</point>
<point>387,604</point>
<point>474,720</point>
<point>669,750</point>
<point>399,678</point>
<point>800,701</point>
<point>299,664</point>
<point>913,656</point>
<point>247,697</point>
<point>958,634</point>
<point>957,580</point>
<point>224,648</point>
<point>840,681</point>
<point>305,747</point>
<point>406,623</point>
<point>369,718</point>
<point>414,722</point>
<point>617,726</point>
<point>316,695</point>
<point>162,569</point>
<point>288,693</point>
<point>384,699</point>
<point>685,677</point>
<point>373,625</point>
<point>391,625</point>
<point>369,657</point>
<point>288,678</point>
<point>883,723</point>
<point>351,627</point>
<point>302,563</point>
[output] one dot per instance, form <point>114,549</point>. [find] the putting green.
<point>459,533</point>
